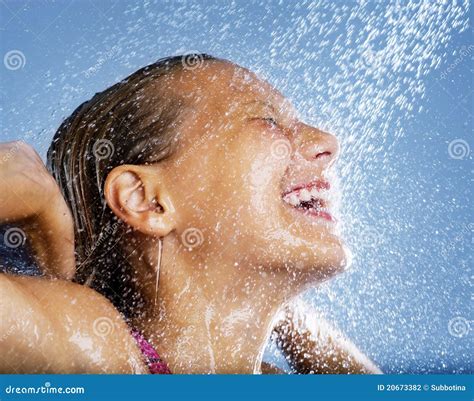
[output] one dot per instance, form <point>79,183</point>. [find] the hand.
<point>31,199</point>
<point>312,345</point>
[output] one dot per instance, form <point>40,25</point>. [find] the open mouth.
<point>310,198</point>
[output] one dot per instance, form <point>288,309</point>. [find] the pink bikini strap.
<point>155,364</point>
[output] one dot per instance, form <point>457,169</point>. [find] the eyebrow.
<point>263,103</point>
<point>269,105</point>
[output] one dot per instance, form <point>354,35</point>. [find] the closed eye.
<point>271,121</point>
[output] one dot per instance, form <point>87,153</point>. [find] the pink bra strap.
<point>154,362</point>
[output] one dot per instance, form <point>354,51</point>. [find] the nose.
<point>317,146</point>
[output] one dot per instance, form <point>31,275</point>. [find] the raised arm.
<point>31,200</point>
<point>312,346</point>
<point>49,324</point>
<point>55,326</point>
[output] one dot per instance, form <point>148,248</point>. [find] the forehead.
<point>222,85</point>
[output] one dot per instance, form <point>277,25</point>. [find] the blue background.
<point>393,81</point>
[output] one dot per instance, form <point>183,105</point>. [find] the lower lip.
<point>319,213</point>
<point>315,214</point>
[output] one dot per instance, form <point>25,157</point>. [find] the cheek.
<point>264,184</point>
<point>233,189</point>
<point>266,170</point>
<point>260,178</point>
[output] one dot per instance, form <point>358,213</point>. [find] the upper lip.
<point>318,184</point>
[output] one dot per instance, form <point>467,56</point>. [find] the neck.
<point>204,322</point>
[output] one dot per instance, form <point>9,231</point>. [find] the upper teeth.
<point>292,199</point>
<point>303,195</point>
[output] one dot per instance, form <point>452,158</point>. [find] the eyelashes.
<point>271,121</point>
<point>273,124</point>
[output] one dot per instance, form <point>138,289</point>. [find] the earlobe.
<point>138,198</point>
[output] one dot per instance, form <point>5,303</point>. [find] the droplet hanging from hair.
<point>158,267</point>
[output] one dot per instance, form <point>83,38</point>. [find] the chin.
<point>321,266</point>
<point>296,256</point>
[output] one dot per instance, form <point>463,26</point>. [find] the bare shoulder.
<point>59,296</point>
<point>75,328</point>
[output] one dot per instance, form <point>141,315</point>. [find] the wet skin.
<point>241,149</point>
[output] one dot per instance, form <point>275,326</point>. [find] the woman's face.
<point>250,183</point>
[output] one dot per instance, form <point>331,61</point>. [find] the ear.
<point>138,197</point>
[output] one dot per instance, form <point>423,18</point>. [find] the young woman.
<point>194,199</point>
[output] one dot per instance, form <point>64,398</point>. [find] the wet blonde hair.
<point>131,122</point>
